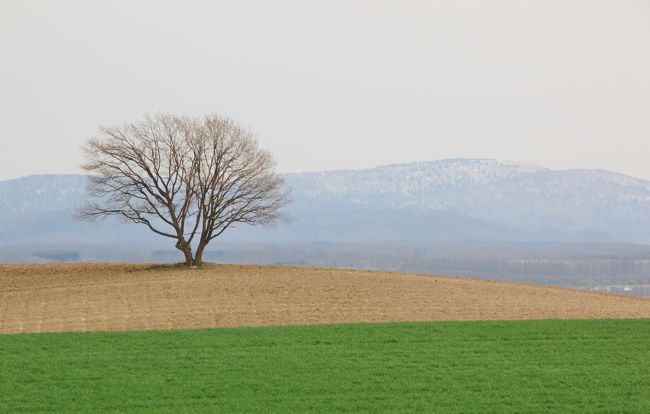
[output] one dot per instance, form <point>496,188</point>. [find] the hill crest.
<point>83,297</point>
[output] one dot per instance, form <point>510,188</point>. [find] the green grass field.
<point>527,366</point>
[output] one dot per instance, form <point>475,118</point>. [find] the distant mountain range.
<point>447,200</point>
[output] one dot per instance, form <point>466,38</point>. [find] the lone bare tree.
<point>184,178</point>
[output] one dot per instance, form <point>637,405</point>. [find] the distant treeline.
<point>58,255</point>
<point>583,265</point>
<point>580,271</point>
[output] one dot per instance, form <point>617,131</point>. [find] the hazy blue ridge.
<point>447,200</point>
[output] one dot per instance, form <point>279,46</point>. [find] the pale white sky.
<point>336,84</point>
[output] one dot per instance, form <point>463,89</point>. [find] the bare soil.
<point>92,297</point>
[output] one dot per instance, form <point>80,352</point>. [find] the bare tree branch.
<point>194,177</point>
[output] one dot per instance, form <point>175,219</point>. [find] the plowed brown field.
<point>47,298</point>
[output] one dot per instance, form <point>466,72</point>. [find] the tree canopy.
<point>188,179</point>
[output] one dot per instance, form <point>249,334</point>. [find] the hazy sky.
<point>336,84</point>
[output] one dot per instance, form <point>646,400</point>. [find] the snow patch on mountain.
<point>446,199</point>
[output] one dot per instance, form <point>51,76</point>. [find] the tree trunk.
<point>186,248</point>
<point>198,257</point>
